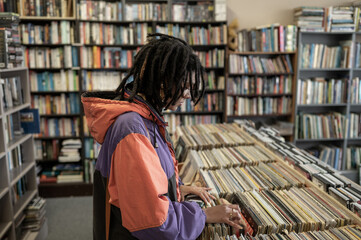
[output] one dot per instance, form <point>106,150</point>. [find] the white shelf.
<point>3,191</point>
<point>9,111</point>
<point>19,172</point>
<point>2,154</point>
<point>4,227</point>
<point>23,202</point>
<point>17,141</point>
<point>18,69</point>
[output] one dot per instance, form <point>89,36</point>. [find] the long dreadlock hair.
<point>164,62</point>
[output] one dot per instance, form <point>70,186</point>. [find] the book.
<point>30,120</point>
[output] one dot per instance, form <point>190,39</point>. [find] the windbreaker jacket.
<point>139,163</point>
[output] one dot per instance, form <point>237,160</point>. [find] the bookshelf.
<point>261,77</point>
<point>317,75</point>
<point>96,52</point>
<point>18,185</point>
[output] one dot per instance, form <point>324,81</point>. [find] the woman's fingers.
<point>233,224</point>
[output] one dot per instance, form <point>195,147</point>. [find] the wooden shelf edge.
<point>4,227</point>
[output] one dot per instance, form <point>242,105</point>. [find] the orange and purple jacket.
<point>139,163</point>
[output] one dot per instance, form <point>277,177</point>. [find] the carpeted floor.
<point>70,218</point>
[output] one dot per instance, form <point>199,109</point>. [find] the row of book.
<point>18,190</point>
<point>211,58</point>
<point>214,81</point>
<point>328,19</point>
<point>59,127</point>
<point>100,10</point>
<point>320,126</point>
<point>45,57</point>
<point>145,12</point>
<point>54,81</point>
<point>47,149</point>
<point>54,33</point>
<point>11,53</point>
<point>91,148</point>
<point>260,85</point>
<point>332,156</point>
<point>34,216</point>
<point>62,104</point>
<point>15,157</point>
<point>209,102</point>
<point>196,35</point>
<point>322,91</point>
<point>12,92</point>
<point>187,120</point>
<point>101,80</point>
<point>250,64</point>
<point>323,56</point>
<point>355,96</point>
<point>108,57</point>
<point>355,125</point>
<point>47,8</point>
<point>12,127</point>
<point>102,33</point>
<point>239,106</point>
<point>89,166</point>
<point>62,173</point>
<point>272,38</point>
<point>353,157</point>
<point>199,12</point>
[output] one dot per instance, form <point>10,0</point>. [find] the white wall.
<point>252,13</point>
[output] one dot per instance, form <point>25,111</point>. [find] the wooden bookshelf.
<point>12,175</point>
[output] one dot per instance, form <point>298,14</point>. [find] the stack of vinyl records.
<point>34,214</point>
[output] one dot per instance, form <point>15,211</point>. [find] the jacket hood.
<point>101,110</point>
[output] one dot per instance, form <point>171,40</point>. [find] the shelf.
<point>19,172</point>
<point>257,74</point>
<point>261,53</point>
<point>13,69</point>
<point>213,68</point>
<point>46,44</point>
<point>57,137</point>
<point>12,110</point>
<point>213,90</point>
<point>2,154</point>
<point>321,105</point>
<point>354,141</point>
<point>46,19</point>
<point>259,116</point>
<point>52,92</point>
<point>113,45</point>
<point>53,69</point>
<point>348,171</point>
<point>21,204</point>
<point>4,227</point>
<point>324,69</point>
<point>17,141</point>
<point>106,69</point>
<point>320,140</point>
<point>220,45</point>
<point>47,190</point>
<point>262,95</point>
<point>59,115</point>
<point>191,23</point>
<point>3,191</point>
<point>196,113</point>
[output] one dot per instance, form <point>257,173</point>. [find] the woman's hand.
<point>225,213</point>
<point>202,192</point>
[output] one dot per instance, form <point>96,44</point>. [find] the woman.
<point>136,164</point>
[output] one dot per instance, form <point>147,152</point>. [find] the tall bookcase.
<point>343,73</point>
<point>261,78</point>
<point>102,59</point>
<point>18,184</point>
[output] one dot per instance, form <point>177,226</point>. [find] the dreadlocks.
<point>166,63</point>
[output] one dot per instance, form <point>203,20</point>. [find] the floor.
<point>70,218</point>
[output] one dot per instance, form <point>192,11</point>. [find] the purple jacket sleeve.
<point>185,220</point>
